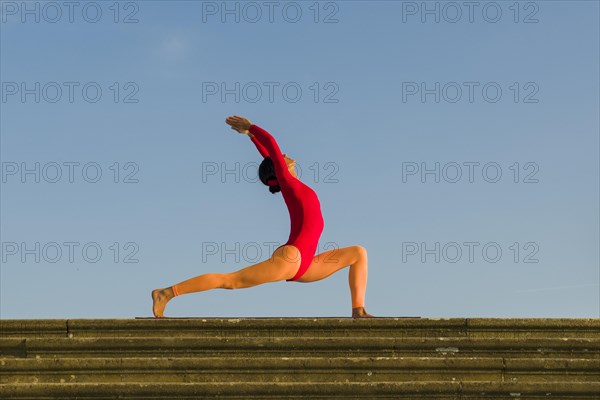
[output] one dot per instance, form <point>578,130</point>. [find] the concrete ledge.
<point>297,369</point>
<point>399,327</point>
<point>313,346</point>
<point>330,390</point>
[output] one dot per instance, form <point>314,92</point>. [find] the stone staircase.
<point>298,358</point>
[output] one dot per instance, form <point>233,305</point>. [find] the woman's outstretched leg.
<point>160,297</point>
<point>201,283</point>
<point>329,262</point>
<point>282,265</point>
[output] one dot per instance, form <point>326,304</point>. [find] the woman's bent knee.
<point>360,251</point>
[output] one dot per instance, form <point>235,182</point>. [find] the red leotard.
<point>302,202</point>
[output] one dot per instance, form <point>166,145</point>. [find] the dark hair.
<point>266,171</point>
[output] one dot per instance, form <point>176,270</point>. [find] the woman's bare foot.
<point>360,312</point>
<point>160,298</point>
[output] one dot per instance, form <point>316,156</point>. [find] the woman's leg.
<point>329,262</point>
<point>282,265</point>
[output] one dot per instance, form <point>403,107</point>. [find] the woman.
<point>295,260</point>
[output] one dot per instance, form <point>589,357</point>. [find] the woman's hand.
<point>243,132</point>
<point>239,124</point>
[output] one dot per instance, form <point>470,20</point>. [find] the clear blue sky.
<point>361,140</point>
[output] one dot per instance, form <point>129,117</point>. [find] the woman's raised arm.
<point>241,125</point>
<point>264,142</point>
<point>267,143</point>
<point>261,149</point>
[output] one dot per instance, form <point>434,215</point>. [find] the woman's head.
<point>266,172</point>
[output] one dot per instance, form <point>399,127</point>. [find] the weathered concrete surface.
<point>317,346</point>
<point>453,390</point>
<point>286,358</point>
<point>291,327</point>
<point>297,369</point>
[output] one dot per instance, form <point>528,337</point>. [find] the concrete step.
<point>315,346</point>
<point>293,358</point>
<point>277,390</point>
<point>513,328</point>
<point>296,369</point>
